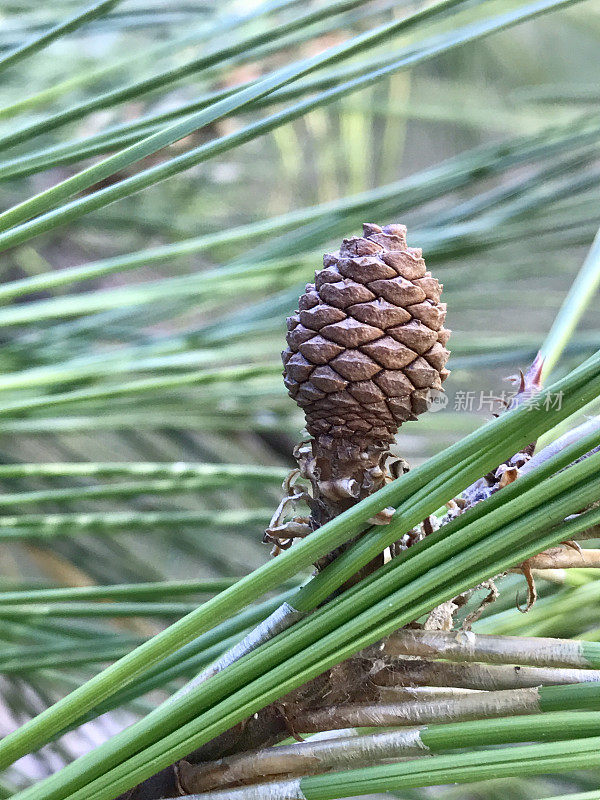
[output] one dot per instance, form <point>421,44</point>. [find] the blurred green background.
<point>148,331</point>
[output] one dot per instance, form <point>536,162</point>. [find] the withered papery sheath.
<point>365,350</point>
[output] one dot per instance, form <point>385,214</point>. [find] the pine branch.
<point>346,461</point>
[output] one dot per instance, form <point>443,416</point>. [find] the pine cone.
<point>367,344</point>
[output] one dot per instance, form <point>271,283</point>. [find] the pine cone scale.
<point>379,313</point>
<point>351,333</point>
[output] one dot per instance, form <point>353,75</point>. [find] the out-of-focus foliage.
<point>143,298</point>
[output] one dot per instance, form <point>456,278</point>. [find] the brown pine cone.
<point>368,343</point>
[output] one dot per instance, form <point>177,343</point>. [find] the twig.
<point>481,677</point>
<point>468,646</point>
<point>281,619</point>
<point>478,705</point>
<point>564,441</point>
<point>567,439</point>
<point>399,693</point>
<point>280,790</point>
<point>308,758</point>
